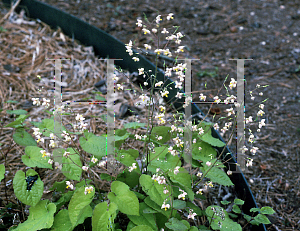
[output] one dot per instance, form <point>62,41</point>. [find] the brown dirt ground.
<point>265,31</point>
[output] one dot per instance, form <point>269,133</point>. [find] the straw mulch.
<point>26,45</point>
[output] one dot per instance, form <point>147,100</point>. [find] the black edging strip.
<point>107,46</point>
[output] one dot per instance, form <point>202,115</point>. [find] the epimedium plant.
<point>152,193</point>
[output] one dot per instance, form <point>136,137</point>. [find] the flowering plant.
<point>153,189</point>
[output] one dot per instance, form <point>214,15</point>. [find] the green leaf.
<point>62,221</point>
<point>267,210</point>
<point>64,199</point>
<point>72,167</point>
<point>143,218</point>
<point>179,204</point>
<point>239,201</point>
<point>134,125</point>
<point>141,227</point>
<point>262,219</point>
<point>12,101</point>
<point>79,206</point>
<point>17,112</point>
<point>207,137</point>
<point>48,126</point>
<point>2,171</point>
<point>33,158</point>
<point>125,199</point>
<point>175,224</point>
<point>217,175</point>
<point>99,97</point>
<point>23,138</point>
<point>17,122</point>
<point>247,217</point>
<point>254,210</point>
<point>236,209</point>
<point>195,208</point>
<point>221,216</point>
<point>232,215</point>
<point>27,197</point>
<point>162,131</point>
<point>40,217</point>
<point>95,145</point>
<point>165,164</point>
<point>103,216</point>
<point>225,202</point>
<point>153,189</point>
<point>133,152</point>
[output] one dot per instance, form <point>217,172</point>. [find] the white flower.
<point>170,16</point>
<point>119,86</point>
<point>230,111</point>
<point>50,161</point>
<point>249,162</point>
<point>158,19</point>
<point>261,123</point>
<point>94,160</point>
<point>135,59</point>
<point>208,163</point>
<point>166,191</point>
<point>145,83</point>
<point>201,131</point>
<point>66,154</point>
<point>165,206</point>
<point>36,101</point>
<point>180,49</point>
<point>171,37</point>
<point>216,126</point>
<point>164,31</point>
<point>232,83</point>
<point>199,174</point>
<point>260,113</point>
<point>154,30</point>
<point>146,31</point>
<point>69,185</point>
<point>101,163</point>
<point>261,94</point>
<point>229,172</point>
<point>248,120</point>
<point>261,106</point>
<point>199,148</point>
<point>132,167</point>
<point>39,139</point>
<point>52,136</point>
<point>85,168</point>
<point>158,51</point>
<point>199,191</point>
<point>79,117</point>
<point>176,170</point>
<point>53,144</point>
<point>191,214</point>
<point>88,190</point>
<point>179,95</point>
<point>217,100</point>
<point>147,46</point>
<point>139,23</point>
<point>182,195</point>
<point>164,93</point>
<point>253,150</point>
<point>202,97</point>
<point>159,84</point>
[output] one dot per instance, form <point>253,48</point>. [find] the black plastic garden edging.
<point>107,46</point>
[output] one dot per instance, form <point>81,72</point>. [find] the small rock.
<point>233,29</point>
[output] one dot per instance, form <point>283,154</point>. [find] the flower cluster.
<point>82,126</point>
<point>38,134</point>
<point>46,102</point>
